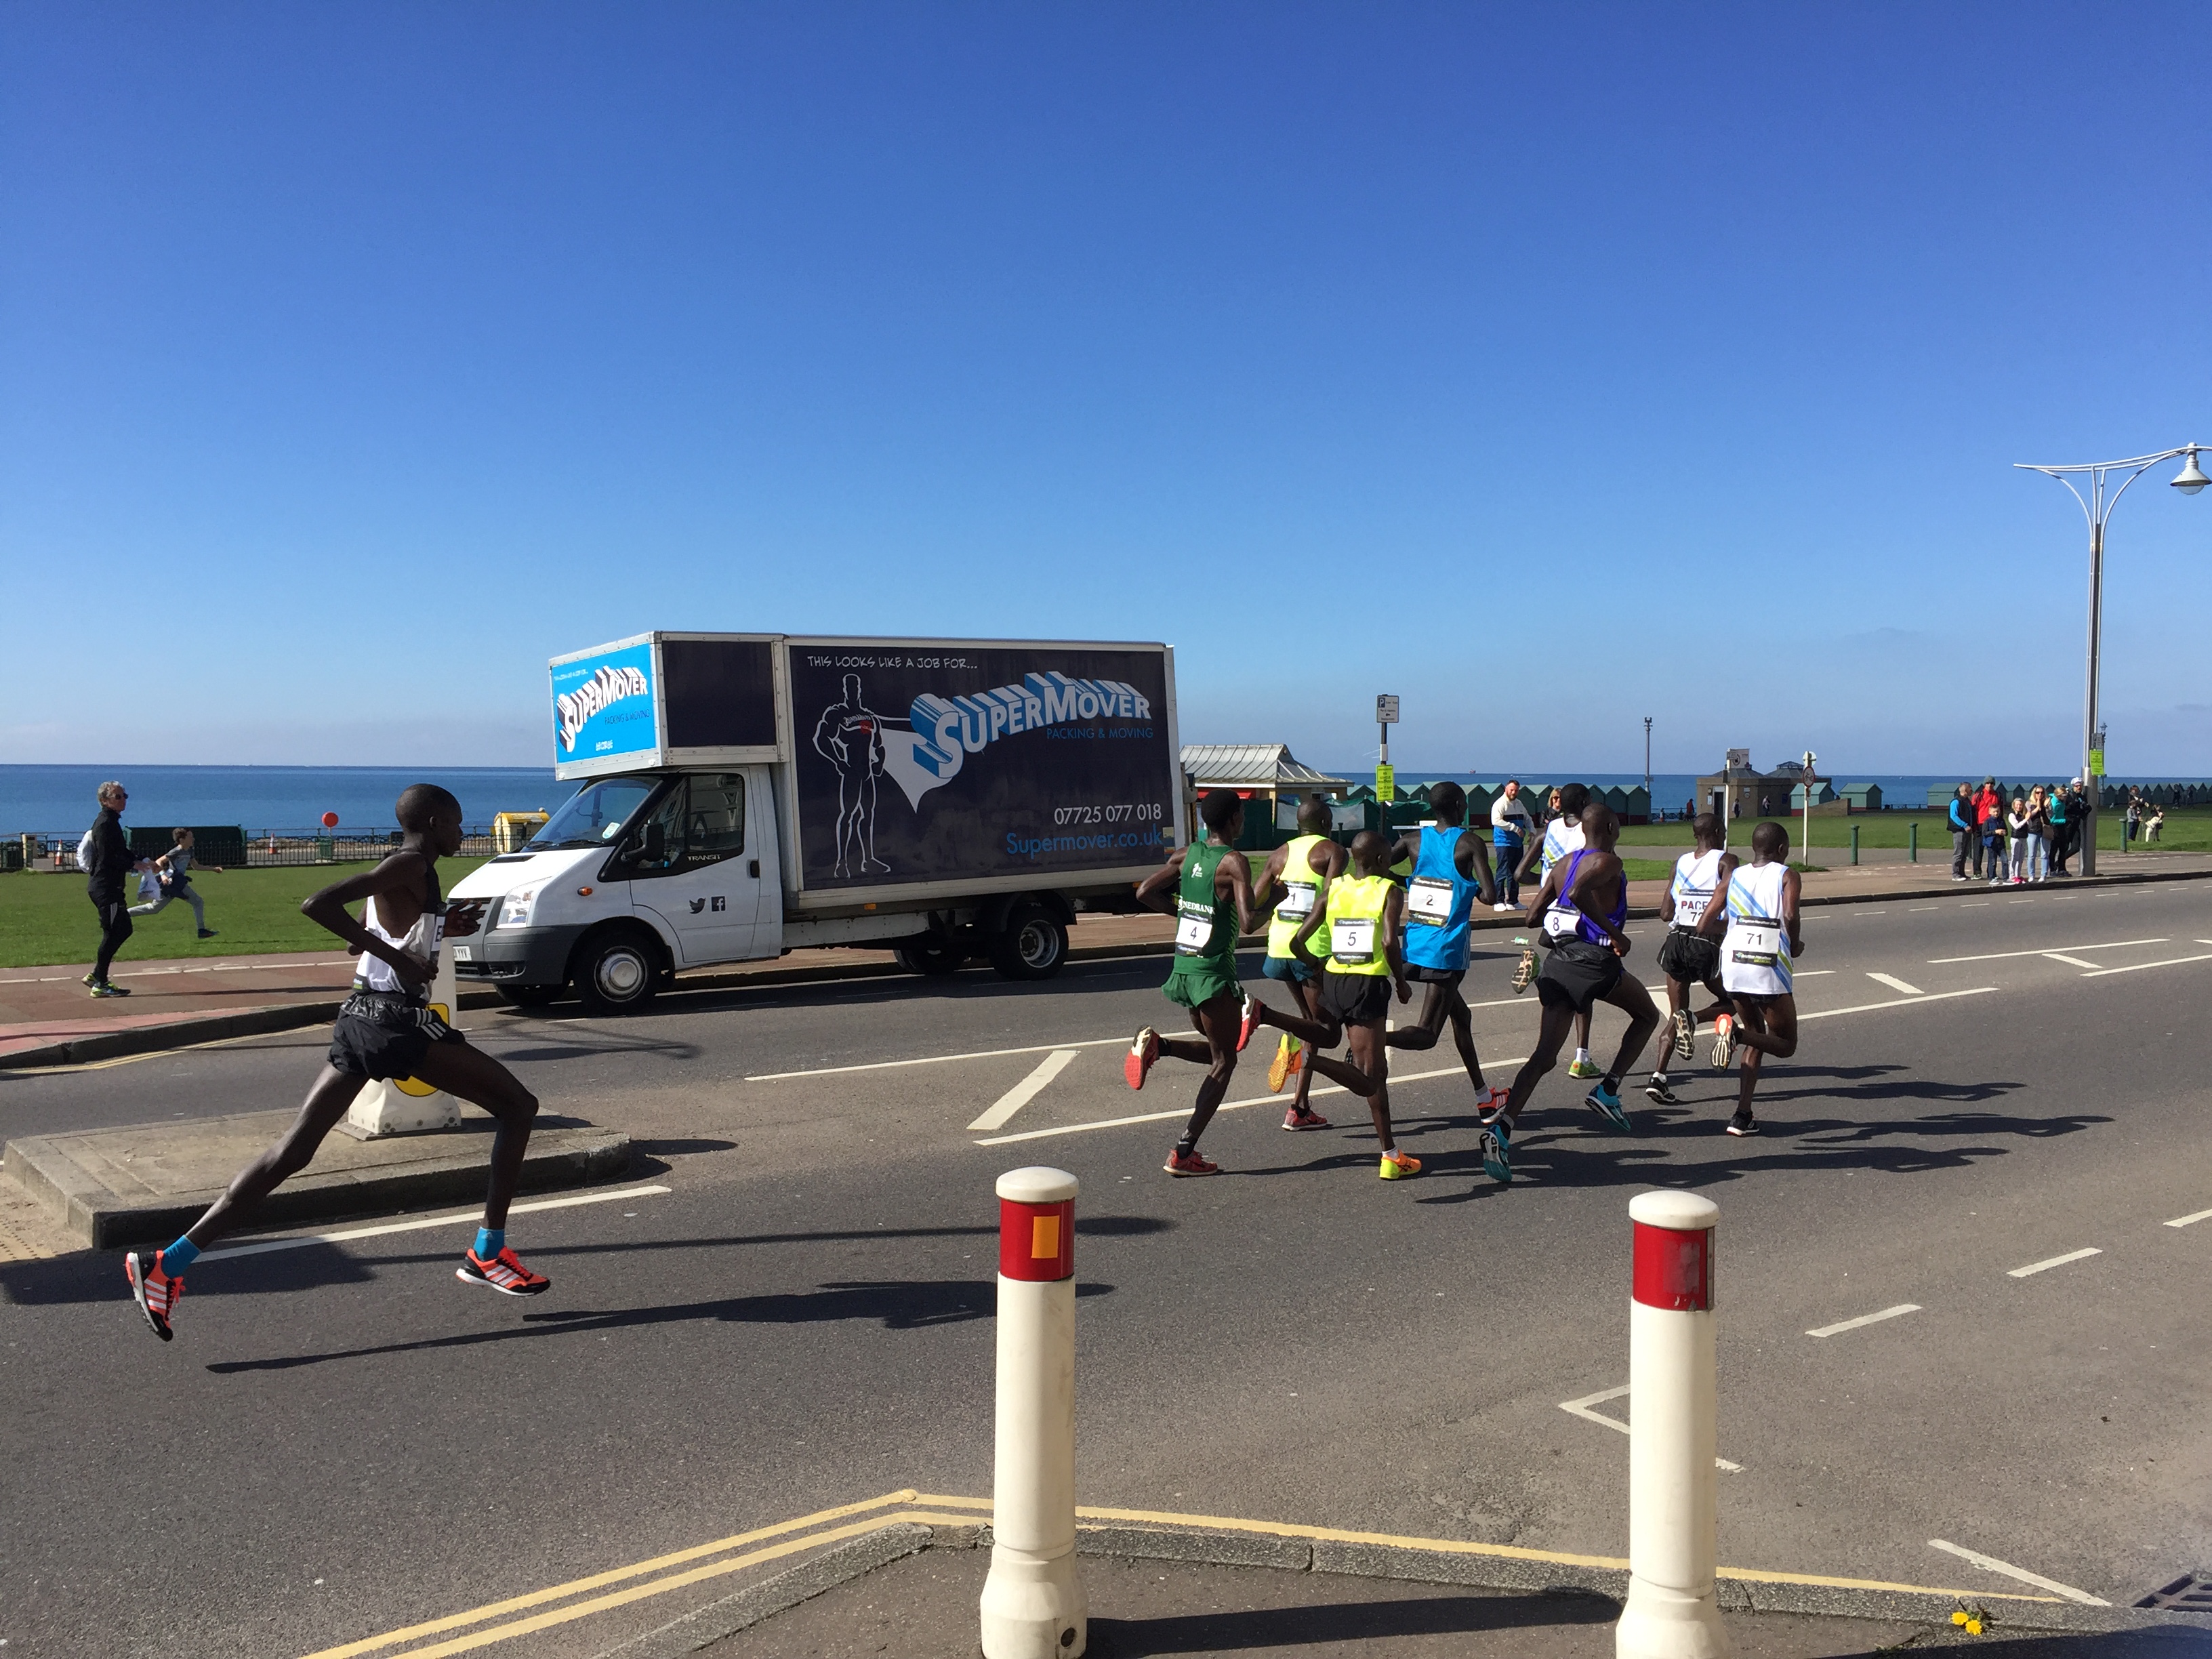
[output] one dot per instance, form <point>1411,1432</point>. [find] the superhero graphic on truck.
<point>850,737</point>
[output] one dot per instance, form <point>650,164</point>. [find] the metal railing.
<point>264,849</point>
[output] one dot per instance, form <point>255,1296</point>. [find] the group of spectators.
<point>2027,840</point>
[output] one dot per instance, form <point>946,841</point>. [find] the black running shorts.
<point>1576,975</point>
<point>1421,975</point>
<point>381,1050</point>
<point>1688,957</point>
<point>1355,999</point>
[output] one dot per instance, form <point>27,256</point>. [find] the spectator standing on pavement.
<point>2133,814</point>
<point>2038,834</point>
<point>107,867</point>
<point>1988,807</point>
<point>176,882</point>
<point>2017,833</point>
<point>1511,828</point>
<point>1964,840</point>
<point>2060,808</point>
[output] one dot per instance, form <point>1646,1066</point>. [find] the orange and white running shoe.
<point>1289,1057</point>
<point>1141,1057</point>
<point>504,1272</point>
<point>1489,1102</point>
<point>1724,1039</point>
<point>155,1292</point>
<point>1398,1164</point>
<point>1249,1021</point>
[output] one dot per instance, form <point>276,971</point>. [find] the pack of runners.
<point>1346,932</point>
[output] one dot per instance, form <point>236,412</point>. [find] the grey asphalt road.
<point>343,1442</point>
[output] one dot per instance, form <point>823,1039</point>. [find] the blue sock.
<point>490,1241</point>
<point>179,1257</point>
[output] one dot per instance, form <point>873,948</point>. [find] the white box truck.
<point>747,795</point>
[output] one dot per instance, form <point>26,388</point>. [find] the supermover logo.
<point>611,685</point>
<point>946,730</point>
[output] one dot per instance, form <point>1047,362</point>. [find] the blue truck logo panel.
<point>604,705</point>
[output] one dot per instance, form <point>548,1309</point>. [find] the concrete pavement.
<point>801,1319</point>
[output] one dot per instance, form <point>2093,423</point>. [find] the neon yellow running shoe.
<point>1398,1164</point>
<point>1585,1068</point>
<point>1290,1055</point>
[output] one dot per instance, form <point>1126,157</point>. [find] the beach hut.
<point>1863,797</point>
<point>1823,793</point>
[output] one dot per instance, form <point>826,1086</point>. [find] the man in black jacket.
<point>107,874</point>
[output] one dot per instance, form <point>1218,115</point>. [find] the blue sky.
<point>1549,366</point>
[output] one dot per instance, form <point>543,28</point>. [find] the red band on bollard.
<point>1037,1241</point>
<point>1673,1270</point>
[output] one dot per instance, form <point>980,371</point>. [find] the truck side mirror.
<point>655,850</point>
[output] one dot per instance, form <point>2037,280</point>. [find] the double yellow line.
<point>937,1510</point>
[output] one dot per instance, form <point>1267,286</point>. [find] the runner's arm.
<point>1250,918</point>
<point>1152,890</point>
<point>1393,927</point>
<point>1545,895</point>
<point>1473,860</point>
<point>1298,939</point>
<point>1270,876</point>
<point>1590,881</point>
<point>401,873</point>
<point>1792,885</point>
<point>1714,922</point>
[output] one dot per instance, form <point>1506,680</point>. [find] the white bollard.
<point>1033,1606</point>
<point>1673,1431</point>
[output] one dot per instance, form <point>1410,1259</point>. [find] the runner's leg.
<point>468,1073</point>
<point>1369,1056</point>
<point>328,1096</point>
<point>1551,1035</point>
<point>1677,995</point>
<point>1218,1019</point>
<point>1630,995</point>
<point>1422,1036</point>
<point>1308,998</point>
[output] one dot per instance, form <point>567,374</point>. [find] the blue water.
<point>54,800</point>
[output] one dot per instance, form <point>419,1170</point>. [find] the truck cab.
<point>635,876</point>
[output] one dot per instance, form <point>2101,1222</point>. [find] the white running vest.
<point>1755,955</point>
<point>1696,875</point>
<point>1561,840</point>
<point>421,941</point>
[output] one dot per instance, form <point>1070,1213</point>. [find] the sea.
<point>50,800</point>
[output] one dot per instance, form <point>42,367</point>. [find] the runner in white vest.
<point>1754,915</point>
<point>1684,956</point>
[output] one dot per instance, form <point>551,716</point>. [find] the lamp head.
<point>2191,478</point>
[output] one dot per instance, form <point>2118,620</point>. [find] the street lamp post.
<point>2097,507</point>
<point>1650,811</point>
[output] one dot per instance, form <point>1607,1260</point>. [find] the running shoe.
<point>1657,1090</point>
<point>1524,971</point>
<point>1489,1102</point>
<point>1686,1034</point>
<point>1290,1055</point>
<point>89,980</point>
<point>205,933</point>
<point>1143,1054</point>
<point>1308,1119</point>
<point>1398,1164</point>
<point>1251,1024</point>
<point>105,989</point>
<point>504,1272</point>
<point>154,1291</point>
<point>1181,1163</point>
<point>1743,1123</point>
<point>1724,1039</point>
<point>1607,1104</point>
<point>1585,1068</point>
<point>1498,1152</point>
<point>1504,909</point>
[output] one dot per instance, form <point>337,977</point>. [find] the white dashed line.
<point>1896,984</point>
<point>1026,1090</point>
<point>2002,955</point>
<point>2054,1261</point>
<point>2191,1220</point>
<point>473,1217</point>
<point>1842,1326</point>
<point>1990,1564</point>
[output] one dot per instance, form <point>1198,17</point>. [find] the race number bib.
<point>1297,900</point>
<point>1352,941</point>
<point>1561,922</point>
<point>1195,931</point>
<point>1690,909</point>
<point>1754,944</point>
<point>1429,902</point>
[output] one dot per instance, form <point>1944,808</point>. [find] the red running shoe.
<point>1250,1022</point>
<point>1181,1163</point>
<point>154,1291</point>
<point>1141,1057</point>
<point>1308,1119</point>
<point>504,1272</point>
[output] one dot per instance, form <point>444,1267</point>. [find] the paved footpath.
<point>46,1015</point>
<point>1953,1281</point>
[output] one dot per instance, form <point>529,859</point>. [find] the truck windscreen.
<point>594,816</point>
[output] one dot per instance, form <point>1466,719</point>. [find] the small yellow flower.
<point>1973,1627</point>
<point>1959,1617</point>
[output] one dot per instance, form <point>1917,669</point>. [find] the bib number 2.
<point>1429,902</point>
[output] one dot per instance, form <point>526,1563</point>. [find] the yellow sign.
<point>2096,762</point>
<point>1386,783</point>
<point>415,1085</point>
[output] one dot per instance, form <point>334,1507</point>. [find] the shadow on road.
<point>1341,1622</point>
<point>895,1304</point>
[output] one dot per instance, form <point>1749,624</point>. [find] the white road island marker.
<point>1671,1611</point>
<point>1026,1090</point>
<point>1032,1605</point>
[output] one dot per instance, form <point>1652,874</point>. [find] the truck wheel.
<point>616,973</point>
<point>1033,946</point>
<point>937,961</point>
<point>529,996</point>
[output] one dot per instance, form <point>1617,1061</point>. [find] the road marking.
<point>1026,1090</point>
<point>1902,1002</point>
<point>1917,907</point>
<point>474,1218</point>
<point>1990,1564</point>
<point>934,1060</point>
<point>1839,1327</point>
<point>2137,967</point>
<point>1896,984</point>
<point>1231,1105</point>
<point>2071,962</point>
<point>2000,956</point>
<point>1975,904</point>
<point>2054,1261</point>
<point>1582,1408</point>
<point>2191,1220</point>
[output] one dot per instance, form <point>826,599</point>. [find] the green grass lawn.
<point>47,919</point>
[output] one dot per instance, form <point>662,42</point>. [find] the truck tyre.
<point>617,972</point>
<point>1033,945</point>
<point>937,961</point>
<point>529,996</point>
